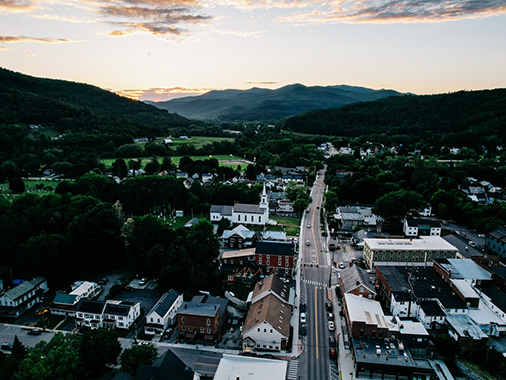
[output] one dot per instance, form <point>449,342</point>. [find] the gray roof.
<point>274,235</point>
<point>355,276</point>
<point>116,309</point>
<point>89,306</point>
<point>64,298</point>
<point>239,230</point>
<point>465,269</point>
<point>423,222</point>
<point>22,289</point>
<point>165,302</point>
<point>223,210</point>
<point>194,308</point>
<point>247,208</point>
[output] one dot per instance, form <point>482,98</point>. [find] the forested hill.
<point>461,118</point>
<point>76,107</point>
<point>260,104</point>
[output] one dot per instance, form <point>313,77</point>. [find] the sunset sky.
<point>156,50</point>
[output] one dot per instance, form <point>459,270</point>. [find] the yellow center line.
<point>316,319</point>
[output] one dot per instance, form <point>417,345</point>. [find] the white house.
<point>115,314</point>
<point>421,227</point>
<point>17,300</point>
<point>267,325</point>
<point>163,314</point>
<point>64,304</point>
<point>242,213</point>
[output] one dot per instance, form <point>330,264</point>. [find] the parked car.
<point>328,306</point>
<point>34,332</point>
<point>302,330</point>
<point>332,341</point>
<point>331,326</point>
<point>167,333</point>
<point>472,243</point>
<point>103,281</point>
<point>6,347</point>
<point>129,288</point>
<point>308,225</point>
<point>481,236</point>
<point>331,317</point>
<point>303,307</point>
<point>332,353</point>
<point>143,281</point>
<point>303,319</point>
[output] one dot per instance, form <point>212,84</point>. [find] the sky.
<point>161,49</point>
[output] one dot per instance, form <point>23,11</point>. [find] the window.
<point>268,262</point>
<point>279,263</point>
<point>239,217</point>
<point>208,322</point>
<point>268,257</point>
<point>271,331</point>
<point>158,319</point>
<point>232,239</point>
<point>258,329</point>
<point>189,328</point>
<point>152,319</point>
<point>202,330</point>
<point>182,328</point>
<point>209,330</point>
<point>252,218</point>
<point>259,219</point>
<point>182,319</point>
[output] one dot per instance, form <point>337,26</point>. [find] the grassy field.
<point>180,222</point>
<point>292,225</point>
<point>30,186</point>
<point>198,141</point>
<point>225,160</point>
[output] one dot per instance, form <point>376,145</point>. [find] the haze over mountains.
<point>260,104</point>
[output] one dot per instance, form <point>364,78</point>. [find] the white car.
<point>303,319</point>
<point>308,225</point>
<point>331,326</point>
<point>308,243</point>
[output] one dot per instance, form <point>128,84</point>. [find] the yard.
<point>292,225</point>
<point>198,141</point>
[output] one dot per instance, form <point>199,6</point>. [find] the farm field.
<point>225,160</point>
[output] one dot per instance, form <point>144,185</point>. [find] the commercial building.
<point>402,251</point>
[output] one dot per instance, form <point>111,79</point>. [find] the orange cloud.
<point>13,39</point>
<point>162,94</point>
<point>16,6</point>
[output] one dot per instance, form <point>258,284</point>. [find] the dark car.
<point>302,330</point>
<point>303,307</point>
<point>328,305</point>
<point>34,332</point>
<point>332,352</point>
<point>103,281</point>
<point>332,341</point>
<point>129,288</point>
<point>332,247</point>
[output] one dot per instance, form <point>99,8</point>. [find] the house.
<point>402,251</point>
<point>421,227</point>
<point>276,256</point>
<point>167,367</point>
<point>349,217</point>
<point>64,304</point>
<point>273,235</point>
<point>355,280</point>
<point>427,211</point>
<point>201,318</point>
<point>271,285</point>
<point>112,314</point>
<point>431,314</point>
<point>163,314</point>
<point>207,177</point>
<point>465,330</point>
<point>496,241</point>
<point>285,208</point>
<point>239,237</point>
<point>267,325</point>
<point>244,367</point>
<point>241,213</point>
<point>22,297</point>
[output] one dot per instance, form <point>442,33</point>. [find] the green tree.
<point>119,168</point>
<point>331,201</point>
<point>397,204</point>
<point>98,348</point>
<point>251,173</point>
<point>56,359</point>
<point>300,205</point>
<point>132,357</point>
<point>16,185</point>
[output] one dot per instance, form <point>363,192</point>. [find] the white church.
<point>242,213</point>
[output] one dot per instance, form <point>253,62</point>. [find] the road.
<point>314,362</point>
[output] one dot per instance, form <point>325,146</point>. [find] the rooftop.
<point>499,233</point>
<point>274,284</point>
<point>271,310</point>
<point>248,208</point>
<point>237,253</point>
<point>116,309</point>
<point>89,306</point>
<point>423,222</point>
<point>243,367</point>
<point>354,276</point>
<point>365,310</point>
<point>465,326</point>
<point>83,288</point>
<point>223,210</point>
<point>432,309</point>
<point>239,230</point>
<point>64,298</point>
<point>464,269</point>
<point>275,248</point>
<point>165,302</point>
<point>24,288</point>
<point>425,243</point>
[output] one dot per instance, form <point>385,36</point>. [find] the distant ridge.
<point>260,104</point>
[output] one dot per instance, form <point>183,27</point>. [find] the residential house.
<point>64,304</point>
<point>241,213</point>
<point>163,313</point>
<point>276,256</point>
<point>355,280</point>
<point>22,297</point>
<point>167,367</point>
<point>201,318</point>
<point>267,325</point>
<point>496,241</point>
<point>239,237</point>
<point>421,227</point>
<point>112,314</point>
<point>350,217</point>
<point>272,285</point>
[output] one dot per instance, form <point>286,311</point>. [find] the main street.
<point>314,362</point>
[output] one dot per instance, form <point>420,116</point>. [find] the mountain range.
<point>260,104</point>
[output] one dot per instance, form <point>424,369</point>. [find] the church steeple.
<point>263,198</point>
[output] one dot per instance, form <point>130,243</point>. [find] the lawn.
<point>292,225</point>
<point>180,222</point>
<point>198,141</point>
<point>30,186</point>
<point>224,160</point>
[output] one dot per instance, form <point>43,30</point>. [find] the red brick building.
<point>276,256</point>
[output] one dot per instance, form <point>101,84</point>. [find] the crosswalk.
<point>315,265</point>
<point>293,370</point>
<point>316,283</point>
<point>334,372</point>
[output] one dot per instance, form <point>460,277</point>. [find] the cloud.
<point>16,5</point>
<point>13,39</point>
<point>3,48</point>
<point>388,11</point>
<point>261,82</point>
<point>161,94</point>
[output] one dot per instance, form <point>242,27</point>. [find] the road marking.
<point>316,319</point>
<point>293,370</point>
<point>334,373</point>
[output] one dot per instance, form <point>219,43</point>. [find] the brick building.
<point>276,256</point>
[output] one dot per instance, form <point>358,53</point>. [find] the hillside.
<point>258,104</point>
<point>461,118</point>
<point>77,107</point>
